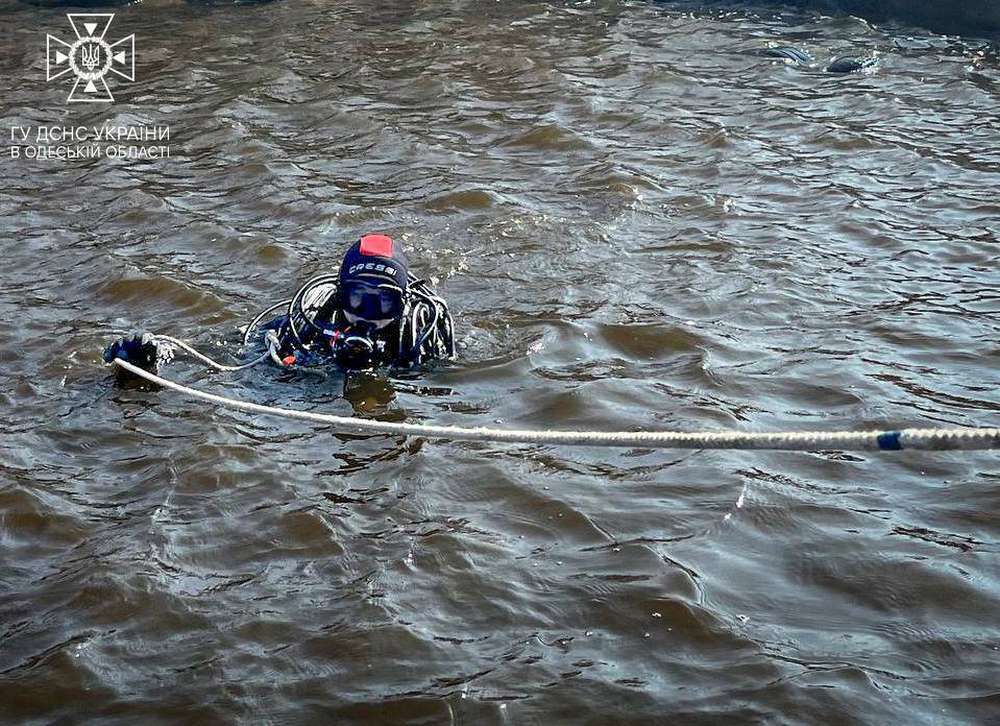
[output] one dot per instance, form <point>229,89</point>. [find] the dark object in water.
<point>840,64</point>
<point>850,64</point>
<point>142,350</point>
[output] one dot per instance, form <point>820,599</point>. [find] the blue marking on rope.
<point>889,441</point>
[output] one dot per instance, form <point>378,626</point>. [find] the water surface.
<point>637,226</point>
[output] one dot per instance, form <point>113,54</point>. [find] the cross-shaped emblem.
<point>90,58</point>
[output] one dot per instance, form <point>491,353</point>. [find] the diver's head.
<point>373,282</point>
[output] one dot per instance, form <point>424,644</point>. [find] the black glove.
<point>140,350</point>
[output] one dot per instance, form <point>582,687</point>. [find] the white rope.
<point>205,359</point>
<point>929,439</point>
<point>272,351</point>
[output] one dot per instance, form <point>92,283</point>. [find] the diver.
<point>373,313</point>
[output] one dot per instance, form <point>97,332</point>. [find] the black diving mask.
<point>375,305</point>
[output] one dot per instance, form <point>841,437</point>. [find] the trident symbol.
<point>91,55</point>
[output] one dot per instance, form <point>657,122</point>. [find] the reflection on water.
<point>637,225</point>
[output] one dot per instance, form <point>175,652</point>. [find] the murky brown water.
<point>637,226</point>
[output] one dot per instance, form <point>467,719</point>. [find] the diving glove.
<point>142,350</point>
